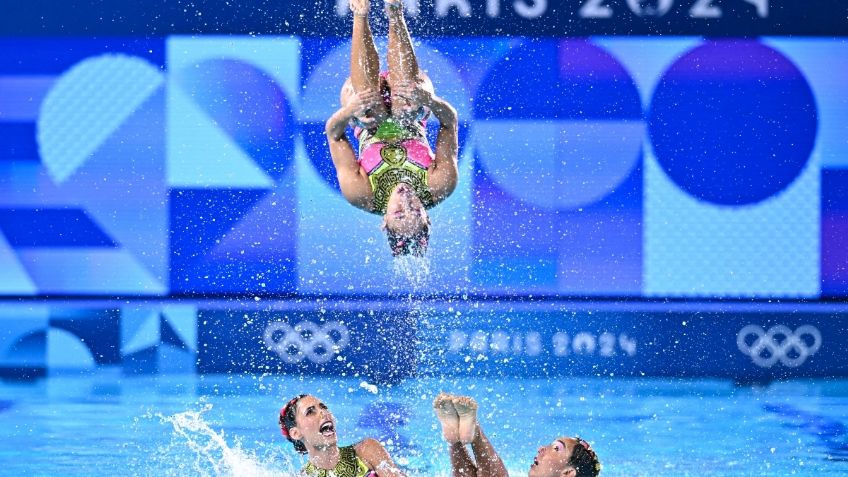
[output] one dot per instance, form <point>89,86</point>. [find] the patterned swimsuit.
<point>396,153</point>
<point>349,466</point>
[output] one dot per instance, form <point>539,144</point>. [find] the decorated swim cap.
<point>584,459</point>
<point>287,421</point>
<point>415,245</point>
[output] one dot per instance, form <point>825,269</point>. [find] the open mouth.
<point>535,462</point>
<point>327,429</point>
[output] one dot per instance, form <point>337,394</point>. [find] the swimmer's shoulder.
<point>370,451</point>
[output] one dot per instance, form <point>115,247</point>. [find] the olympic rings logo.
<point>779,343</point>
<point>306,340</point>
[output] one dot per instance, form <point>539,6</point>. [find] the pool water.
<point>109,424</point>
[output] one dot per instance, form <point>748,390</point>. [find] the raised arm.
<point>353,183</point>
<point>373,453</point>
<point>445,175</point>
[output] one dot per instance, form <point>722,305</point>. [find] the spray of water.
<point>212,456</point>
<point>414,270</point>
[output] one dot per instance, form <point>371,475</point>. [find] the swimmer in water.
<point>564,457</point>
<point>394,173</point>
<point>307,423</point>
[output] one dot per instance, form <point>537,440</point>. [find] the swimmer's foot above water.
<point>360,7</point>
<point>466,409</point>
<point>447,415</point>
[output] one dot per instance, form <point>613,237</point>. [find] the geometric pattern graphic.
<point>159,339</point>
<point>739,231</point>
<point>616,166</point>
<point>562,167</point>
<point>141,339</point>
<point>67,133</point>
<point>231,106</point>
<point>91,186</point>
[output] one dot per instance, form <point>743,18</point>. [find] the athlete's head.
<point>566,457</point>
<point>307,423</point>
<point>406,222</point>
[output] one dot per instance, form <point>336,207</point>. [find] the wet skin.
<point>552,460</point>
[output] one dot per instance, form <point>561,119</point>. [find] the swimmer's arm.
<point>352,180</point>
<point>443,177</point>
<point>443,172</point>
<point>358,105</point>
<point>373,453</point>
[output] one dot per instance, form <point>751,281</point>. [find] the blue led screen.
<point>600,166</point>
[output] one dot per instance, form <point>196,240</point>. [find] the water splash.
<point>415,270</point>
<point>212,455</point>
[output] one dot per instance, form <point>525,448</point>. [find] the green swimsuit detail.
<point>349,466</point>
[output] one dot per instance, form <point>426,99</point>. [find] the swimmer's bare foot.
<point>466,409</point>
<point>360,7</point>
<point>446,413</point>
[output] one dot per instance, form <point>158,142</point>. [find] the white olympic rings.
<point>779,344</point>
<point>306,340</point>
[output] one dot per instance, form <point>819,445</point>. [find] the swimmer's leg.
<point>446,413</point>
<point>364,60</point>
<point>489,463</point>
<point>403,65</point>
<point>461,463</point>
<point>466,409</point>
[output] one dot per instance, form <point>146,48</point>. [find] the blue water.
<point>109,424</point>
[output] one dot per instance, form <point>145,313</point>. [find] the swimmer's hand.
<point>363,105</point>
<point>413,96</point>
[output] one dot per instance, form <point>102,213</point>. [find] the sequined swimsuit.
<point>396,153</point>
<point>349,466</point>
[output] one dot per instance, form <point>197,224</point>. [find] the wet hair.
<point>584,460</point>
<point>415,244</point>
<point>287,421</point>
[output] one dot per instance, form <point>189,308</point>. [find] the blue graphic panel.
<point>97,330</point>
<point>602,166</point>
<point>69,135</point>
<point>17,142</point>
<point>159,339</point>
<point>729,242</point>
<point>834,234</point>
<point>248,105</point>
<point>97,125</point>
<point>50,56</point>
<point>231,154</point>
<point>727,111</point>
<point>51,228</point>
<point>221,247</point>
<point>23,347</point>
<point>558,132</point>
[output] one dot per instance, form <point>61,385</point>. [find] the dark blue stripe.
<point>53,56</point>
<point>51,228</point>
<point>17,142</point>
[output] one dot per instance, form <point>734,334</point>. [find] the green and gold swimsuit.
<point>392,154</point>
<point>349,466</point>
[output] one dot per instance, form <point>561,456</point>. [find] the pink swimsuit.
<point>394,153</point>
